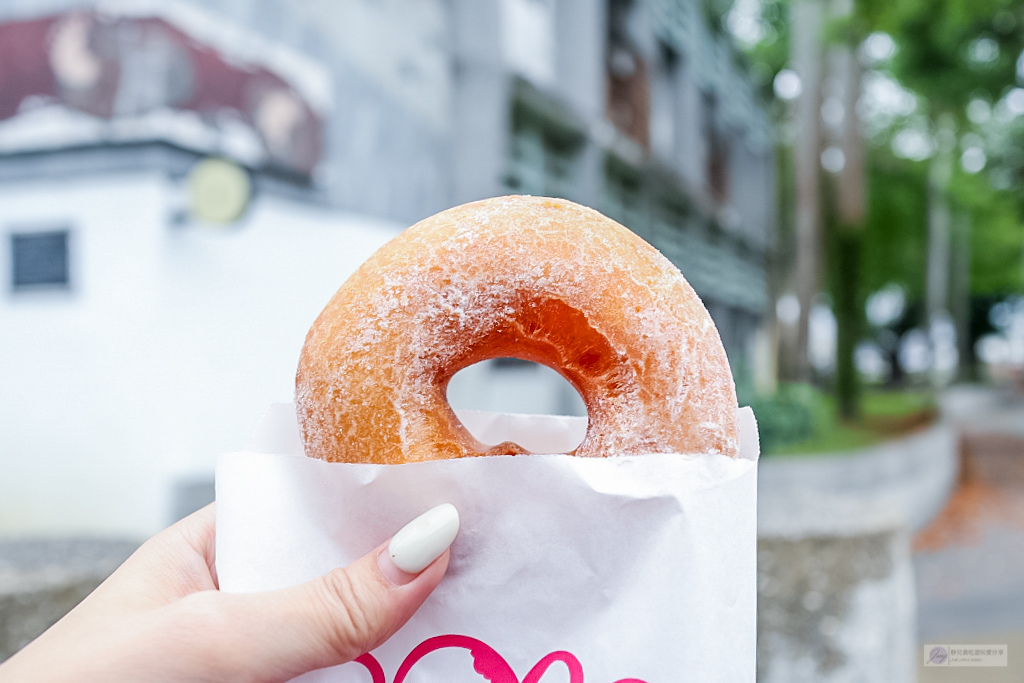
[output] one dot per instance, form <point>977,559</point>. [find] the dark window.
<point>671,218</point>
<point>544,154</point>
<point>623,198</point>
<point>717,166</point>
<point>39,259</point>
<point>628,105</point>
<point>509,362</point>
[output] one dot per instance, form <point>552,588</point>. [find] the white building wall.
<point>72,407</point>
<point>169,345</point>
<point>531,389</point>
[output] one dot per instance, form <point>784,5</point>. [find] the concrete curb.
<point>906,481</point>
<point>41,580</point>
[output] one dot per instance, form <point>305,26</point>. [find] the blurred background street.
<point>184,184</point>
<point>968,561</point>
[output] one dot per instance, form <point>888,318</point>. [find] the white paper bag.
<point>586,570</point>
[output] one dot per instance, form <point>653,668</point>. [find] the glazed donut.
<point>540,279</point>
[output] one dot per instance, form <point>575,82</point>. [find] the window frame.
<point>14,233</point>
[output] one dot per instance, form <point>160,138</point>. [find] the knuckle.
<point>204,609</point>
<point>351,619</point>
<point>205,627</point>
<point>204,613</point>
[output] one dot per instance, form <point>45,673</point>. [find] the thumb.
<point>350,611</point>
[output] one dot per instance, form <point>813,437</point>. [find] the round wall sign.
<point>219,191</point>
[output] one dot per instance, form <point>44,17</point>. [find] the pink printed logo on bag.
<point>486,662</point>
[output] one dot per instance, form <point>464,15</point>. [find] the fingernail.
<point>419,543</point>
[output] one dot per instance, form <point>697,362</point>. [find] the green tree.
<point>959,59</point>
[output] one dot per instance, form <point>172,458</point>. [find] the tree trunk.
<point>938,240</point>
<point>848,321</point>
<point>937,285</point>
<point>851,210</point>
<point>960,292</point>
<point>806,60</point>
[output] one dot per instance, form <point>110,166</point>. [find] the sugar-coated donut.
<point>539,279</point>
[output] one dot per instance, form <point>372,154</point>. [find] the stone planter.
<point>835,580</point>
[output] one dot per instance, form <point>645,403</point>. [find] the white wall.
<point>171,342</point>
<point>72,418</point>
<point>169,345</point>
<point>531,389</point>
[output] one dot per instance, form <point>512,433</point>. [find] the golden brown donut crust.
<point>540,279</point>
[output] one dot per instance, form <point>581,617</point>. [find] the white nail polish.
<point>422,540</point>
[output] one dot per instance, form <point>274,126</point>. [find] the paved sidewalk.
<point>970,561</point>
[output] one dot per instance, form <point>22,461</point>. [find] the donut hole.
<point>513,385</point>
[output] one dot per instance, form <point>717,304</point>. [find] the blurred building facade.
<point>400,109</point>
<point>341,120</point>
<point>636,108</point>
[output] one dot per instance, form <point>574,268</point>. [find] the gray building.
<point>401,108</point>
<point>636,108</point>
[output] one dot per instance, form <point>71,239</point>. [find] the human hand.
<point>160,616</point>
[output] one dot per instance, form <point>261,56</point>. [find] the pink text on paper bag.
<point>486,662</point>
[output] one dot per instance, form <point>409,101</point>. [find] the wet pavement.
<point>969,561</point>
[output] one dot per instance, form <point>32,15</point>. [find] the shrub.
<point>789,416</point>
